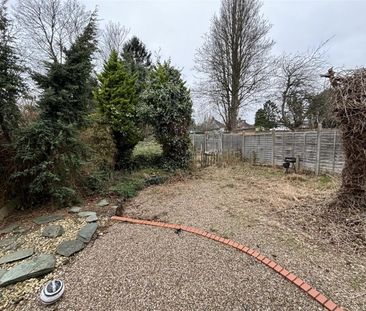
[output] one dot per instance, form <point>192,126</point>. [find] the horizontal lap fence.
<point>319,151</point>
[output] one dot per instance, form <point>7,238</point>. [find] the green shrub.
<point>128,185</point>
<point>48,157</point>
<point>168,107</point>
<point>98,137</point>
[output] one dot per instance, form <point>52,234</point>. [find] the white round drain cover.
<point>52,291</point>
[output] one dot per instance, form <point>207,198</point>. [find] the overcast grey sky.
<point>176,27</point>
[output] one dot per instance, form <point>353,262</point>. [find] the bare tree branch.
<point>234,59</point>
<point>297,76</point>
<point>113,37</point>
<point>47,28</point>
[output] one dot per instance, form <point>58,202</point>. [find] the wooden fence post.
<point>318,146</point>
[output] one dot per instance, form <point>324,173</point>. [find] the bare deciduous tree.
<point>113,37</point>
<point>234,61</point>
<point>296,78</point>
<point>48,27</point>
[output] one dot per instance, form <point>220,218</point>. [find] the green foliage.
<point>168,107</point>
<point>147,153</point>
<point>135,52</point>
<point>137,59</point>
<point>11,84</point>
<point>98,138</point>
<point>68,87</point>
<point>297,108</point>
<point>47,155</point>
<point>147,147</point>
<point>267,117</point>
<point>117,99</point>
<point>129,185</point>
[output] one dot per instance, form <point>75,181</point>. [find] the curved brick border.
<point>312,292</point>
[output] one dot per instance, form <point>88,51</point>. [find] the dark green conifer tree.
<point>67,94</point>
<point>11,84</point>
<point>48,153</point>
<point>138,60</point>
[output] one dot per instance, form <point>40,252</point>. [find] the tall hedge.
<point>168,108</point>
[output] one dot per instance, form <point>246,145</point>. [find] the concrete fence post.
<point>273,148</point>
<point>318,147</point>
<point>334,150</point>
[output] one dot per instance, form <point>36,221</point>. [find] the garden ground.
<point>134,267</point>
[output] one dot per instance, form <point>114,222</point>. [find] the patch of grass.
<point>128,185</point>
<point>325,182</point>
<point>147,153</point>
<point>297,177</point>
<point>147,147</point>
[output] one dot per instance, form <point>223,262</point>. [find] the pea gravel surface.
<point>134,267</point>
<point>247,204</point>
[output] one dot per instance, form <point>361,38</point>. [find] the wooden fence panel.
<point>318,151</point>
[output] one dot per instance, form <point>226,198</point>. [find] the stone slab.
<point>53,231</point>
<point>75,209</point>
<point>9,228</point>
<point>91,218</point>
<point>103,203</point>
<point>18,255</point>
<point>87,214</point>
<point>40,265</point>
<point>68,248</point>
<point>86,233</point>
<point>5,243</point>
<point>47,219</point>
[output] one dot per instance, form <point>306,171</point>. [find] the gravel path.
<point>135,267</point>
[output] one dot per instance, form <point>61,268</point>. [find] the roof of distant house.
<point>244,125</point>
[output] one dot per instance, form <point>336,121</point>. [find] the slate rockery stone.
<point>40,265</point>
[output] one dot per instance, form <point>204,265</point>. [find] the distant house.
<point>210,124</point>
<point>243,126</point>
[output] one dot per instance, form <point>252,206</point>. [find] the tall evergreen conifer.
<point>48,152</point>
<point>116,98</point>
<point>67,94</point>
<point>11,84</point>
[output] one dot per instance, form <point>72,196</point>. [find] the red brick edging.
<point>312,292</point>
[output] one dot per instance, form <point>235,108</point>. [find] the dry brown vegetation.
<point>349,89</point>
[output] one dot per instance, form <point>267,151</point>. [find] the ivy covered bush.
<point>168,108</point>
